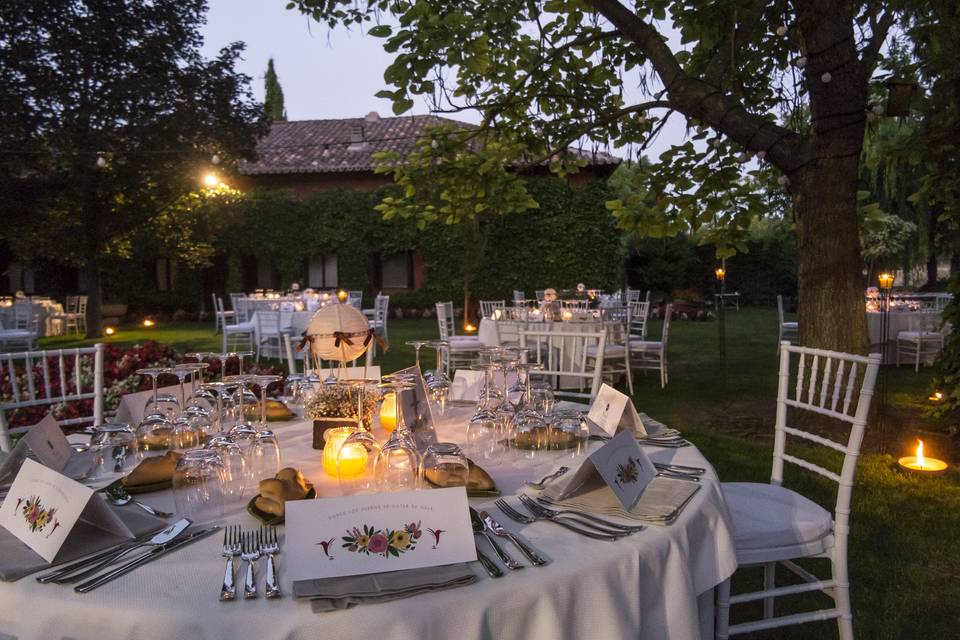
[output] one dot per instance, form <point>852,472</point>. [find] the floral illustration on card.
<point>384,542</point>
<point>628,473</point>
<point>37,515</point>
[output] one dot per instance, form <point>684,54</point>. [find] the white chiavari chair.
<point>487,307</point>
<point>789,331</point>
<point>564,358</point>
<point>775,525</point>
<point>38,378</point>
<point>925,343</point>
<point>652,354</point>
<point>519,296</point>
<point>242,335</point>
<point>462,349</point>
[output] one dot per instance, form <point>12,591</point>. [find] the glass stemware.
<point>263,381</point>
<point>357,463</point>
<point>264,455</point>
<point>417,344</point>
<point>398,462</point>
<point>152,408</point>
<point>199,485</point>
<point>236,473</point>
<point>444,465</point>
<point>115,448</point>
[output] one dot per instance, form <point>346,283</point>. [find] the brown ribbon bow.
<point>373,335</point>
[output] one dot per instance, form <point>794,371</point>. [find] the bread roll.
<point>268,505</point>
<point>153,470</point>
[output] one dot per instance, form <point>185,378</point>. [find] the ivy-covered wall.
<point>571,238</point>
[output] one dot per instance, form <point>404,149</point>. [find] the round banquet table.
<point>655,584</point>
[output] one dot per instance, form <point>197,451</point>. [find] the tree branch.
<point>695,98</point>
<point>880,28</point>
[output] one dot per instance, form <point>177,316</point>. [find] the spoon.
<point>556,474</point>
<point>480,529</point>
<point>118,495</point>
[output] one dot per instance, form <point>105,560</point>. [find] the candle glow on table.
<point>886,280</point>
<point>388,412</point>
<point>342,295</point>
<point>920,462</point>
<point>567,315</point>
<point>350,461</point>
<point>469,328</point>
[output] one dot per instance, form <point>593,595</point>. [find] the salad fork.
<point>250,553</point>
<point>231,550</point>
<point>267,538</point>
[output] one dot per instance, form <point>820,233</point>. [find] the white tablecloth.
<point>655,584</point>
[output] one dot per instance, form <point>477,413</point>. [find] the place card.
<point>612,410</point>
<point>620,464</point>
<point>43,507</point>
<point>466,385</point>
<point>365,534</point>
<point>47,444</point>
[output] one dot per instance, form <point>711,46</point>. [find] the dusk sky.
<point>324,73</point>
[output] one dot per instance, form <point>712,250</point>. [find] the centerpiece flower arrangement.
<point>339,400</point>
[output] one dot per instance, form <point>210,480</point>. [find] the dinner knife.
<point>150,556</point>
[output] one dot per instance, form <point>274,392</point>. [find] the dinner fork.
<point>516,516</point>
<point>268,547</point>
<point>251,554</point>
<point>582,514</point>
<point>231,549</point>
<point>579,518</point>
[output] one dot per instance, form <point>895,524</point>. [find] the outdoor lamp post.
<point>886,284</point>
<point>721,275</point>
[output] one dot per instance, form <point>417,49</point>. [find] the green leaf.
<point>380,31</point>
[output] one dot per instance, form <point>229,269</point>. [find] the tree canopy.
<point>109,115</point>
<point>273,95</point>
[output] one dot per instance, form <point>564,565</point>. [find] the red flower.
<point>378,543</point>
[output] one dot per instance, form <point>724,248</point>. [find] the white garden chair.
<point>462,349</point>
<point>539,294</point>
<point>638,313</point>
<point>789,331</point>
<point>487,307</point>
<point>355,298</point>
<point>564,356</point>
<point>615,350</point>
<point>23,334</point>
<point>924,344</point>
<point>269,334</point>
<point>31,375</point>
<point>381,312</point>
<point>242,335</point>
<point>73,317</point>
<point>633,295</point>
<point>519,296</point>
<point>652,354</point>
<point>773,524</point>
<point>221,317</point>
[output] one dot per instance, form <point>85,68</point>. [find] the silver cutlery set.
<point>249,546</point>
<point>105,566</point>
<point>486,527</point>
<point>577,521</point>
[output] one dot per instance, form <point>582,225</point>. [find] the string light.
<point>101,162</point>
<point>877,109</point>
<point>826,77</point>
<point>782,30</point>
<point>801,62</point>
<point>783,181</point>
<point>215,159</point>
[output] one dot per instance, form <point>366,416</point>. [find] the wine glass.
<point>543,398</point>
<point>444,465</point>
<point>200,485</point>
<point>263,455</point>
<point>417,344</point>
<point>152,408</point>
<point>236,473</point>
<point>115,448</point>
<point>570,431</point>
<point>482,437</point>
<point>242,398</point>
<point>357,463</point>
<point>398,463</point>
<point>263,381</point>
<point>215,392</point>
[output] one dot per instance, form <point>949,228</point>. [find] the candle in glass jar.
<point>388,412</point>
<point>342,461</point>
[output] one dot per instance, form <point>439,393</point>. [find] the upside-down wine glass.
<point>398,462</point>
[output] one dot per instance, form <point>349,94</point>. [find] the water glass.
<point>115,448</point>
<point>482,437</point>
<point>444,465</point>
<point>236,476</point>
<point>154,433</point>
<point>263,455</point>
<point>200,485</point>
<point>398,465</point>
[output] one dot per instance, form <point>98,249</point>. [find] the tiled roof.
<point>332,146</point>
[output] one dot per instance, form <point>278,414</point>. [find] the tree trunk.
<point>831,288</point>
<point>94,298</point>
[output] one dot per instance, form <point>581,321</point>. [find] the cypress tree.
<point>273,98</point>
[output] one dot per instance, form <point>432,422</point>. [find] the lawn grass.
<point>905,563</point>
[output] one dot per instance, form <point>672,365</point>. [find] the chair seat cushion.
<point>913,336</point>
<point>767,516</point>
<point>240,327</point>
<point>790,325</point>
<point>12,334</point>
<point>464,342</point>
<point>645,345</point>
<point>609,351</point>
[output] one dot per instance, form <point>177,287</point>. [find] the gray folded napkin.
<point>331,594</point>
<point>18,560</point>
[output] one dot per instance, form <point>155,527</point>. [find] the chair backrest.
<point>243,308</point>
<point>355,298</point>
<point>293,355</point>
<point>538,294</point>
<point>780,308</point>
<point>487,307</point>
<point>216,307</point>
<point>633,295</point>
<point>519,296</point>
<point>667,313</point>
<point>23,315</point>
<point>71,304</point>
<point>828,383</point>
<point>445,320</point>
<point>269,323</point>
<point>82,305</point>
<point>564,355</point>
<point>233,299</point>
<point>37,378</point>
<point>380,307</point>
<point>637,314</point>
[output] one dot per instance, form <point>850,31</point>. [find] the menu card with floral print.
<point>620,464</point>
<point>365,534</point>
<point>43,506</point>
